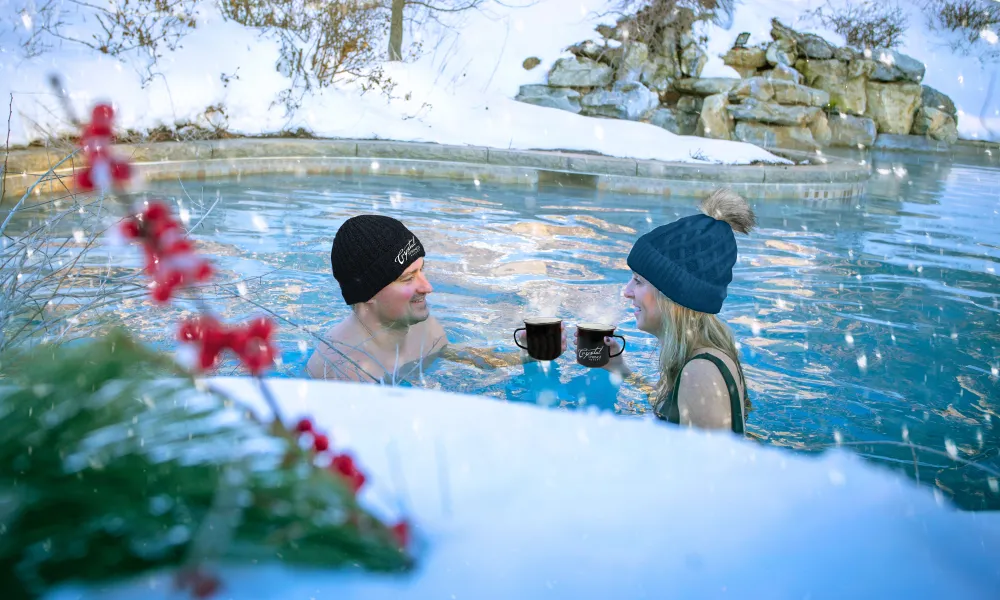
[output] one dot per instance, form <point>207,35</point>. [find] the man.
<point>390,335</point>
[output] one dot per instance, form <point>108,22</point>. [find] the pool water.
<point>872,323</point>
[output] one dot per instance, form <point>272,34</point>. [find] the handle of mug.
<point>515,337</point>
<point>623,346</point>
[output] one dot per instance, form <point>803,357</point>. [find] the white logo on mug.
<point>590,353</point>
<point>411,248</point>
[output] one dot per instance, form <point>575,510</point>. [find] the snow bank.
<point>459,92</point>
<point>515,501</point>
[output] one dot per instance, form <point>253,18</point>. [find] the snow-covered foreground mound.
<point>515,501</point>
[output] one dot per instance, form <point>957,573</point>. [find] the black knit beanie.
<point>370,252</point>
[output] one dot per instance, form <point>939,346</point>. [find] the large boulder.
<point>691,104</point>
<point>893,106</point>
<point>935,99</point>
<point>820,129</point>
<point>659,73</point>
<point>668,47</point>
<point>715,121</point>
<point>892,66</point>
<point>745,61</point>
<point>675,121</point>
<point>693,60</point>
<point>787,92</point>
<point>784,73</point>
<point>634,60</point>
<point>774,114</point>
<point>552,97</point>
<point>591,50</point>
<point>848,131</point>
<point>580,72</point>
<point>775,136</point>
<point>845,82</point>
<point>813,46</point>
<point>935,124</point>
<point>845,54</point>
<point>779,32</point>
<point>807,44</point>
<point>708,86</point>
<point>758,88</point>
<point>781,52</point>
<point>628,100</point>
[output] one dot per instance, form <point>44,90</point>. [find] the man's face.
<point>403,302</point>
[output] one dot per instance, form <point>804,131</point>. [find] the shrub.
<point>649,17</point>
<point>140,30</point>
<point>321,43</point>
<point>972,24</point>
<point>874,24</point>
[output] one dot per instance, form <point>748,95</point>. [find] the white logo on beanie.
<point>411,248</point>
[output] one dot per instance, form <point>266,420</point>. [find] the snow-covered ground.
<point>517,501</point>
<point>459,92</point>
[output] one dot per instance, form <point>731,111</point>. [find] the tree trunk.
<point>396,30</point>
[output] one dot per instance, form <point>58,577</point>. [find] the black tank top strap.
<point>670,411</point>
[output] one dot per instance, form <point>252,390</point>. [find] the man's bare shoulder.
<point>337,356</point>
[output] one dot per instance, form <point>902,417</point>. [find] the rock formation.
<point>795,91</point>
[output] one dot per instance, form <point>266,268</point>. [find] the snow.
<point>965,79</point>
<point>516,501</point>
<point>460,92</point>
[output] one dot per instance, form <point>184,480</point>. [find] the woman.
<point>680,274</point>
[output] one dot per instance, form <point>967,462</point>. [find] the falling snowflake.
<point>849,339</point>
<point>951,448</point>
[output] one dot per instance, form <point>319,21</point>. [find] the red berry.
<point>401,531</point>
<point>321,442</point>
<point>304,426</point>
<point>343,465</point>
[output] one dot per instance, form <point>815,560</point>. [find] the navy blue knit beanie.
<point>691,260</point>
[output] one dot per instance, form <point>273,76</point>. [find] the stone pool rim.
<point>826,177</point>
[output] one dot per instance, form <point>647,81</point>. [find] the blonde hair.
<point>684,330</point>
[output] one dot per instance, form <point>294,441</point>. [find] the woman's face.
<point>648,317</point>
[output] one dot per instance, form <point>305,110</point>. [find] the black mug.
<point>543,336</point>
<point>591,351</point>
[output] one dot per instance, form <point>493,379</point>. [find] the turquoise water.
<point>873,321</point>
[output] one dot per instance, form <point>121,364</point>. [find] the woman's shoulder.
<point>703,371</point>
<point>703,397</point>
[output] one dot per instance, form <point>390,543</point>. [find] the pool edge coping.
<point>162,160</point>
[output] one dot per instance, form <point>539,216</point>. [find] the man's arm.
<point>483,358</point>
